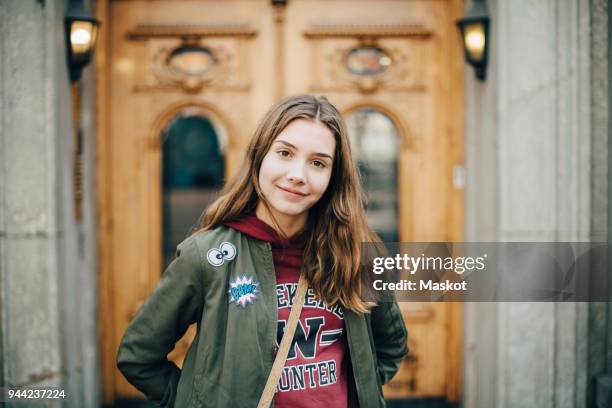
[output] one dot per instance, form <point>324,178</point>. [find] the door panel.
<point>399,57</point>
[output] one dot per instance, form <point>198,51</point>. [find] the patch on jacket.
<point>225,252</point>
<point>243,290</point>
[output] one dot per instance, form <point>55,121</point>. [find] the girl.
<point>294,210</point>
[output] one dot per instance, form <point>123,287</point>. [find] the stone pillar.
<point>600,322</point>
<point>48,333</point>
<point>536,172</point>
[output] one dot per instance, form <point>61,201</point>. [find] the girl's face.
<point>295,172</point>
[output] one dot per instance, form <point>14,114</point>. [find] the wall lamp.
<point>474,28</point>
<point>81,35</point>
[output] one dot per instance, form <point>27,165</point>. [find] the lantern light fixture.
<point>81,35</point>
<point>474,27</point>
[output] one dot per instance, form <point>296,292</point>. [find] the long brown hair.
<point>336,224</point>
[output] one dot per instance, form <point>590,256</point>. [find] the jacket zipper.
<point>270,259</point>
<point>351,347</point>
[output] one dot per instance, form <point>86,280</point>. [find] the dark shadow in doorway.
<point>421,403</point>
<point>395,403</point>
<point>132,403</point>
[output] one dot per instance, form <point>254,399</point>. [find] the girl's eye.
<point>284,153</point>
<point>318,163</point>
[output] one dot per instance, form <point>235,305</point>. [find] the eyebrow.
<point>293,147</point>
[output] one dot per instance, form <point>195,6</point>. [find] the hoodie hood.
<point>256,228</point>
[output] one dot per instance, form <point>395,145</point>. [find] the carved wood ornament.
<point>401,46</point>
<point>193,57</point>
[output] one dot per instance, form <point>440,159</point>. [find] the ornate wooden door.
<point>393,67</point>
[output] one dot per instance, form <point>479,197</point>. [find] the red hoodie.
<point>316,369</point>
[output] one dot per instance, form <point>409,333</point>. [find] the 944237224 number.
<point>12,394</point>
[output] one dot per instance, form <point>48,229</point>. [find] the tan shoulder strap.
<point>283,350</point>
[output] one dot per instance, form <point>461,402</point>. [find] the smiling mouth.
<point>292,192</point>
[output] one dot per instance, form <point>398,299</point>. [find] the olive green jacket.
<point>232,354</point>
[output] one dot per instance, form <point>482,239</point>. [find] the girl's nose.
<point>296,173</point>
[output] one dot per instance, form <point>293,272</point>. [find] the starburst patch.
<point>243,291</point>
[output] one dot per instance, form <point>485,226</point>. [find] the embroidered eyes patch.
<point>243,290</point>
<point>225,252</point>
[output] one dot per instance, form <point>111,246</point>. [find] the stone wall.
<point>537,166</point>
<point>47,260</point>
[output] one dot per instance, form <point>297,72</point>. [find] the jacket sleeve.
<point>390,338</point>
<point>160,322</point>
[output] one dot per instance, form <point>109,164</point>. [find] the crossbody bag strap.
<point>283,350</point>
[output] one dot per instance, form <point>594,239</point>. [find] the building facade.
<point>100,179</point>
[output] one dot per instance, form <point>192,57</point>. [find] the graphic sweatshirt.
<point>316,370</point>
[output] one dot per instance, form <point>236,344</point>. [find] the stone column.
<point>47,270</point>
<point>536,172</point>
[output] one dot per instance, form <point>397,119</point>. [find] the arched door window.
<point>193,172</point>
<point>375,145</point>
